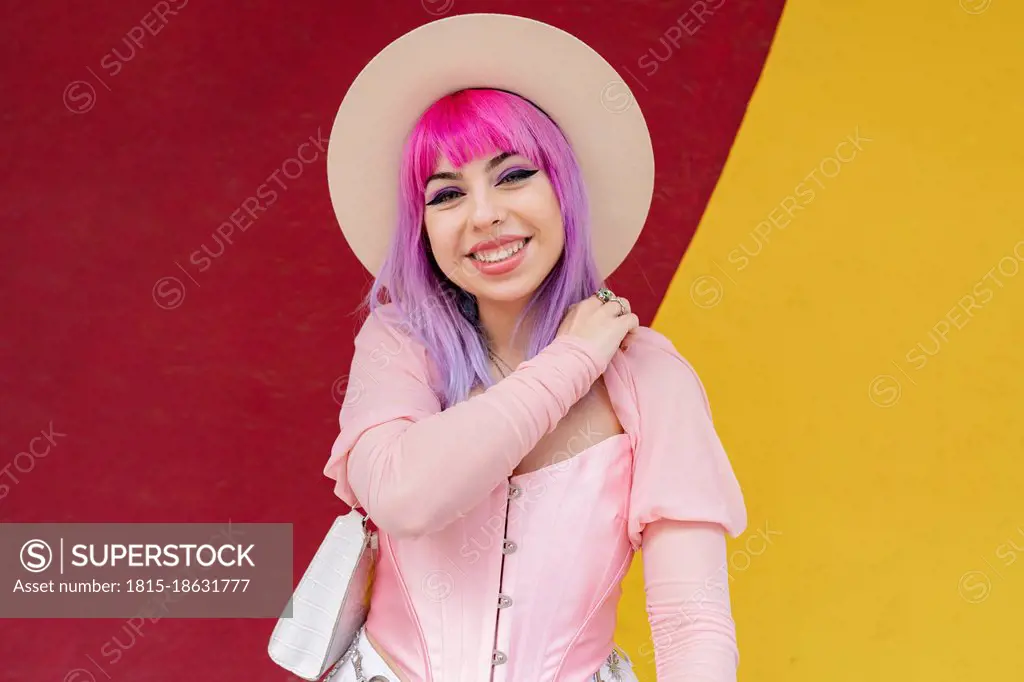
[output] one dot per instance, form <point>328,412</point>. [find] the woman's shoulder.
<point>651,350</point>
<point>389,333</point>
<point>657,365</point>
<point>388,319</point>
<point>384,316</point>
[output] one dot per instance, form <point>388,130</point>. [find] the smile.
<point>499,255</point>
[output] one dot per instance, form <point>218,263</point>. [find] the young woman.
<point>510,429</point>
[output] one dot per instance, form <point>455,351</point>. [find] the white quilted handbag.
<point>330,603</point>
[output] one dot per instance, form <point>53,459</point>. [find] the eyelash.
<point>517,175</point>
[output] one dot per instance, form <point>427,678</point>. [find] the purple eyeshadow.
<point>513,170</point>
<point>438,193</point>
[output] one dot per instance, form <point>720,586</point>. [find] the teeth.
<point>498,255</point>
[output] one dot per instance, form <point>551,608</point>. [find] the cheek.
<point>548,215</point>
<point>549,221</point>
<point>443,236</point>
<point>554,244</point>
<point>442,240</point>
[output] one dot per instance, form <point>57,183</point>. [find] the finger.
<point>628,338</point>
<point>612,309</point>
<point>631,322</point>
<point>621,306</point>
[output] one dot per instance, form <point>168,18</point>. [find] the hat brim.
<point>561,74</point>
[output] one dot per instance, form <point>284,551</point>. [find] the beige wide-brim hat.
<point>562,75</point>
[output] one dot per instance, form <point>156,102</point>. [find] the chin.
<point>505,297</point>
<point>508,292</point>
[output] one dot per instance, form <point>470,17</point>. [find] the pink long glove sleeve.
<point>404,464</point>
<point>687,587</point>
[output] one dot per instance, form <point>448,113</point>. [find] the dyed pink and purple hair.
<point>461,127</point>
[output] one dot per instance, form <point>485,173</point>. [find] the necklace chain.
<point>498,361</point>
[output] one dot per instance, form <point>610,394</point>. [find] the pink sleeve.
<point>397,450</point>
<point>687,587</point>
<point>681,470</point>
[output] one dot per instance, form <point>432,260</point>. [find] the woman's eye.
<point>443,197</point>
<point>517,175</point>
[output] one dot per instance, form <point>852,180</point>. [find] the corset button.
<point>498,657</point>
<point>504,601</point>
<point>514,491</point>
<point>508,547</point>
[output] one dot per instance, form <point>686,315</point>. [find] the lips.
<point>501,261</point>
<point>494,244</point>
<point>499,253</point>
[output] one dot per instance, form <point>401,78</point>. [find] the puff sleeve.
<point>681,470</point>
<point>396,448</point>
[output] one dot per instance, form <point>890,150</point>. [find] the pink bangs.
<point>471,123</point>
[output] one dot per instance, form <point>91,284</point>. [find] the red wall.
<point>209,396</point>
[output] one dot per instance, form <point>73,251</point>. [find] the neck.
<point>498,318</point>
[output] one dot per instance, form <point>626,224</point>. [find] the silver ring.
<point>622,306</point>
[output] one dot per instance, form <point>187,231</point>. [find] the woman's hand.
<point>601,325</point>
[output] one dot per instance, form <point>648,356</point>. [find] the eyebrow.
<point>458,176</point>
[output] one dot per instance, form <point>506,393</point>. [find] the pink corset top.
<point>527,582</point>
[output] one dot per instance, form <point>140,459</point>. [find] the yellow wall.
<point>891,474</point>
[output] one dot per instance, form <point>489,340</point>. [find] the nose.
<point>487,211</point>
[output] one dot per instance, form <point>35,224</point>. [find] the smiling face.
<point>495,225</point>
